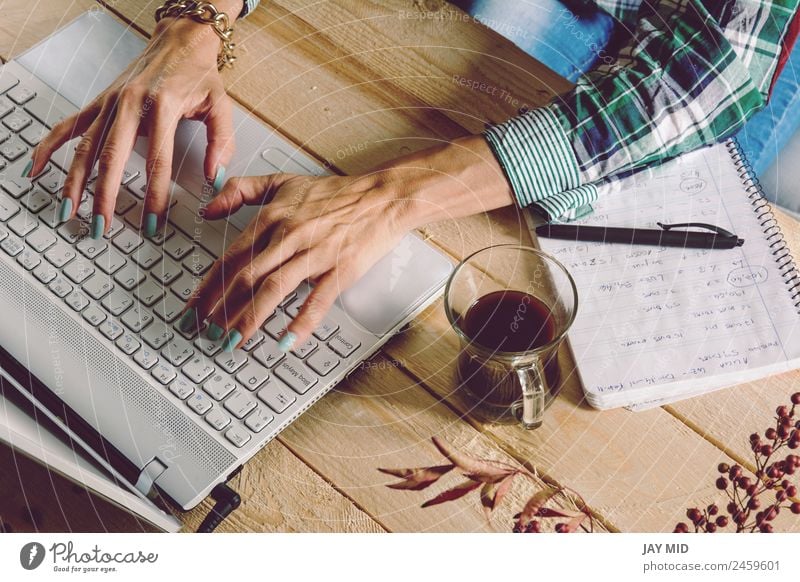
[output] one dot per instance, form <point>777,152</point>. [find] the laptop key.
<point>40,240</point>
<point>252,376</point>
<point>323,361</point>
<point>94,315</point>
<point>127,241</point>
<point>21,94</point>
<point>178,351</point>
<point>128,343</point>
<point>164,373</point>
<point>208,346</point>
<point>117,302</point>
<point>198,262</point>
<point>13,149</point>
<point>36,201</point>
<point>219,386</point>
<point>16,121</point>
<point>34,133</point>
<point>168,308</point>
<point>146,358</point>
<point>6,106</point>
<point>185,287</point>
<point>98,286</point>
<point>28,259</point>
<point>198,369</point>
<point>77,300</point>
<point>239,404</point>
<point>53,181</point>
<point>146,255</point>
<point>8,208</point>
<point>129,276</point>
<point>110,262</point>
<point>295,375</point>
<point>166,272</point>
<point>231,361</point>
<point>325,330</point>
<point>277,396</point>
<point>111,329</point>
<point>178,246</point>
<point>60,286</point>
<point>91,248</point>
<point>254,340</point>
<point>137,319</point>
<point>268,354</point>
<point>45,273</point>
<point>181,388</point>
<point>157,336</point>
<point>276,325</point>
<point>162,235</point>
<point>238,436</point>
<point>200,403</point>
<point>343,345</point>
<point>115,228</point>
<point>306,348</point>
<point>258,419</point>
<point>23,224</point>
<point>217,418</point>
<point>73,230</point>
<point>149,292</point>
<point>17,186</point>
<point>12,246</point>
<point>79,270</point>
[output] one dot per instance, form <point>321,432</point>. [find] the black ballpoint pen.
<point>718,238</point>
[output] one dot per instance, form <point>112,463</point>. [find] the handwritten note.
<point>656,323</point>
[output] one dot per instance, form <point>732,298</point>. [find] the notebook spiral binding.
<point>763,209</point>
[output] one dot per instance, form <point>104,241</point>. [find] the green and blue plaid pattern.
<point>691,74</point>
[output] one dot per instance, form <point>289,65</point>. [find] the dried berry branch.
<point>755,502</point>
<point>494,479</point>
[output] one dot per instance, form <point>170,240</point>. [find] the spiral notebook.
<point>659,324</point>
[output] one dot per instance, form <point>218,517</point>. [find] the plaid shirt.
<point>690,74</point>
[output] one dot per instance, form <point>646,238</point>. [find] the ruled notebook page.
<point>655,323</point>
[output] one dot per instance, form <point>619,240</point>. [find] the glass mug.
<point>511,307</point>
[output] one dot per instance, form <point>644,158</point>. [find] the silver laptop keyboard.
<point>133,290</point>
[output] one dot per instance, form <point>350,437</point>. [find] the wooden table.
<point>358,82</point>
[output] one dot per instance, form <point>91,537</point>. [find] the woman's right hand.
<point>175,77</point>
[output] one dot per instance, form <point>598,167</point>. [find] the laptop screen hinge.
<point>149,474</point>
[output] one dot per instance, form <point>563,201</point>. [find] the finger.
<point>159,166</point>
<point>113,156</point>
<point>62,132</point>
<point>249,190</point>
<point>313,311</point>
<point>221,143</point>
<point>242,311</point>
<point>222,274</point>
<point>83,162</point>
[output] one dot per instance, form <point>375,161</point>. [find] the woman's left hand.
<point>331,230</point>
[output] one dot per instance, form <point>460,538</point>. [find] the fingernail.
<point>233,339</point>
<point>215,332</point>
<point>66,209</point>
<point>287,342</point>
<point>219,179</point>
<point>98,226</point>
<point>150,224</point>
<point>26,173</point>
<point>187,320</point>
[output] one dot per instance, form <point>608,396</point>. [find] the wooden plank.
<point>26,23</point>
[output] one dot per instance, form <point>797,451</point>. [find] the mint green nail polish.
<point>187,320</point>
<point>98,226</point>
<point>150,225</point>
<point>26,173</point>
<point>215,332</point>
<point>287,342</point>
<point>219,179</point>
<point>66,209</point>
<point>233,339</point>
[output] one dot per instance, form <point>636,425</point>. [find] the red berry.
<point>771,513</point>
<point>751,489</point>
<point>766,450</point>
<point>735,472</point>
<point>722,483</point>
<point>783,431</point>
<point>694,514</point>
<point>681,528</point>
<point>795,508</point>
<point>754,503</point>
<point>561,528</point>
<point>781,496</point>
<point>731,507</point>
<point>782,411</point>
<point>765,528</point>
<point>754,437</point>
<point>791,491</point>
<point>723,467</point>
<point>771,434</point>
<point>722,521</point>
<point>796,398</point>
<point>711,527</point>
<point>712,509</point>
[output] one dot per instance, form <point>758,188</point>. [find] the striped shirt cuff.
<point>539,162</point>
<point>249,6</point>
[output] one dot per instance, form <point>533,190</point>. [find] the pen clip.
<point>711,227</point>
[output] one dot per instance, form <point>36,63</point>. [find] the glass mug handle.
<point>529,410</point>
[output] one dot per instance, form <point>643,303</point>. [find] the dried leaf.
<point>476,469</point>
<point>492,494</point>
<point>417,479</point>
<point>533,506</point>
<point>452,494</point>
<point>575,522</point>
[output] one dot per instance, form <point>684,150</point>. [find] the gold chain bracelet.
<point>205,13</point>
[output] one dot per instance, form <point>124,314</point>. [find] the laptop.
<point>89,336</point>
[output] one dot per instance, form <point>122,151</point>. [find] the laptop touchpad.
<point>397,284</point>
